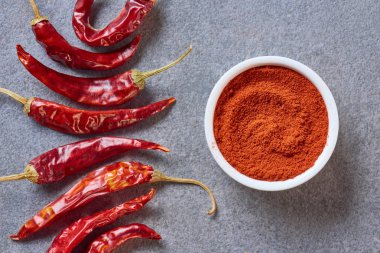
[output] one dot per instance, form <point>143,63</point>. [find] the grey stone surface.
<point>337,211</point>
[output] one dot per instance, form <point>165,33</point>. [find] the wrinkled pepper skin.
<point>74,234</point>
<point>58,163</point>
<point>118,29</point>
<point>100,182</point>
<point>104,91</point>
<point>61,51</point>
<point>75,121</point>
<point>112,239</point>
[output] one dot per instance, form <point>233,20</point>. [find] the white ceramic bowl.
<point>331,110</point>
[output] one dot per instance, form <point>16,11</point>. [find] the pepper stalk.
<point>158,176</point>
<point>22,100</point>
<point>37,16</point>
<point>29,173</point>
<point>139,77</point>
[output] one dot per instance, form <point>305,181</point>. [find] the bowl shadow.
<point>149,29</point>
<point>315,206</point>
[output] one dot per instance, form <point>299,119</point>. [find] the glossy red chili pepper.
<point>109,241</point>
<point>100,182</point>
<point>74,234</point>
<point>118,29</point>
<point>75,121</point>
<point>104,91</point>
<point>61,51</point>
<point>58,163</point>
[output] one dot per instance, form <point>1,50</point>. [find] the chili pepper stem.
<point>158,176</point>
<point>140,77</point>
<point>13,177</point>
<point>37,15</point>
<point>14,95</point>
<point>26,102</point>
<point>29,173</point>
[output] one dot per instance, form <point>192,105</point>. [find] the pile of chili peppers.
<point>61,162</point>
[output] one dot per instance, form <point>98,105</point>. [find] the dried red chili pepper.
<point>74,234</point>
<point>100,182</point>
<point>75,121</point>
<point>118,29</point>
<point>109,241</point>
<point>58,163</point>
<point>104,91</point>
<point>61,51</point>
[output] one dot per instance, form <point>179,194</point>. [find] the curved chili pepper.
<point>118,29</point>
<point>108,179</point>
<point>74,234</point>
<point>104,91</point>
<point>58,163</point>
<point>109,241</point>
<point>75,121</point>
<point>61,51</point>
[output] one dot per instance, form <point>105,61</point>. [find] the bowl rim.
<point>328,99</point>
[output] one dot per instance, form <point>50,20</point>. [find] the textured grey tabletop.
<point>337,211</point>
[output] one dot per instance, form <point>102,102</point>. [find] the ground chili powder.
<point>271,123</point>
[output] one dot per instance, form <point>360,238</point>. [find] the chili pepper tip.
<point>163,149</point>
<point>23,56</point>
<point>14,237</point>
<point>156,237</point>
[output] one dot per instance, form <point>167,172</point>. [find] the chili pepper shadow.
<point>144,99</point>
<point>141,245</point>
<point>146,212</point>
<point>129,246</point>
<point>96,8</point>
<point>144,156</point>
<point>147,123</point>
<point>133,245</point>
<point>318,205</point>
<point>143,125</point>
<point>99,204</point>
<point>149,29</point>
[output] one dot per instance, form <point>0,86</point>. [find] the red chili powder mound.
<point>271,123</point>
